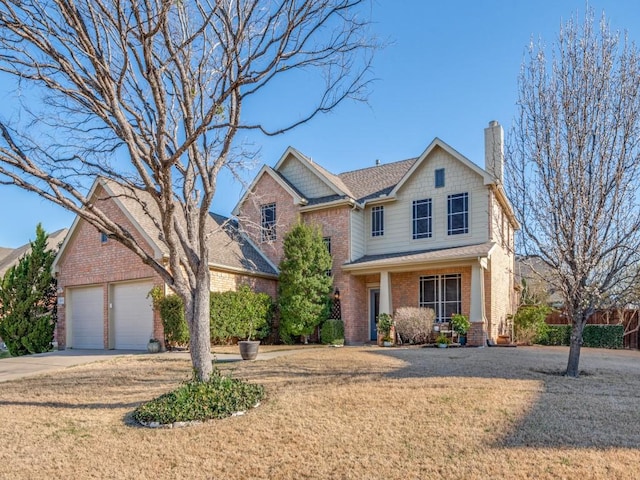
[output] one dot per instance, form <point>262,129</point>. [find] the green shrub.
<point>529,323</point>
<point>303,286</point>
<point>176,332</point>
<point>332,332</point>
<point>28,310</point>
<point>385,322</point>
<point>603,336</point>
<point>553,335</point>
<point>218,397</point>
<point>596,336</point>
<point>413,324</point>
<point>233,315</point>
<point>460,324</point>
<point>242,314</point>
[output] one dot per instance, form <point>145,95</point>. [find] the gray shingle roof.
<point>4,251</point>
<point>11,257</point>
<point>423,256</point>
<point>372,182</point>
<point>230,248</point>
<point>227,247</point>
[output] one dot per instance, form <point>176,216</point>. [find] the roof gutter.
<point>372,267</point>
<point>335,203</point>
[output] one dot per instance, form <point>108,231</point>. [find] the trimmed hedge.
<point>241,314</point>
<point>332,332</point>
<point>603,336</point>
<point>595,336</point>
<point>176,333</point>
<point>233,315</point>
<point>553,335</point>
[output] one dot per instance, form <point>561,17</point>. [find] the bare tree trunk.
<point>198,319</point>
<point>574,347</point>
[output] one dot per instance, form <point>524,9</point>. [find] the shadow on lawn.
<point>598,410</point>
<point>72,406</point>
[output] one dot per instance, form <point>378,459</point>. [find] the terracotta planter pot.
<point>249,349</point>
<point>503,340</point>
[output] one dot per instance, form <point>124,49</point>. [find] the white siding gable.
<point>398,215</point>
<point>306,181</point>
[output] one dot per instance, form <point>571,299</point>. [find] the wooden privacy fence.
<point>629,319</point>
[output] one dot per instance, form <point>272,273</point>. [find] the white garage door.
<point>86,317</point>
<point>132,315</point>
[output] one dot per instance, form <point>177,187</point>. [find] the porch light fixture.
<point>336,294</point>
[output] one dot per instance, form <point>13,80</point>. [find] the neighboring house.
<point>433,231</point>
<point>539,280</point>
<point>103,287</point>
<point>10,257</point>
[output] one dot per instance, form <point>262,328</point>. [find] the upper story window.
<point>268,222</point>
<point>422,218</point>
<point>377,221</point>
<point>439,177</point>
<point>458,213</point>
<point>327,243</point>
<point>103,237</point>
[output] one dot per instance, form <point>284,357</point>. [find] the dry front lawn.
<point>361,413</point>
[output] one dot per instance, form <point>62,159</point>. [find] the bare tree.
<point>573,166</point>
<point>150,94</point>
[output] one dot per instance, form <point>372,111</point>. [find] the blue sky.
<point>451,67</point>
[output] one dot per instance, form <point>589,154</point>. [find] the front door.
<point>374,310</point>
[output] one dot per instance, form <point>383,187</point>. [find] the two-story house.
<point>434,231</point>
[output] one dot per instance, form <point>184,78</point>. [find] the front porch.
<point>451,282</point>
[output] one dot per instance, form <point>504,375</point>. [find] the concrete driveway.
<point>29,365</point>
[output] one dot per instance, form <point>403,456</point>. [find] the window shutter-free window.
<point>458,214</point>
<point>443,294</point>
<point>377,221</point>
<point>327,243</point>
<point>268,222</point>
<point>422,218</point>
<point>439,177</point>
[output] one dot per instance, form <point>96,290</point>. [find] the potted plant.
<point>460,324</point>
<point>385,324</point>
<point>248,347</point>
<point>153,346</point>
<point>443,341</point>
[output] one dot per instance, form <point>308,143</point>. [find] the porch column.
<point>477,313</point>
<point>386,305</point>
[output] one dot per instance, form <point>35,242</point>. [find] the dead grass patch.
<point>339,413</point>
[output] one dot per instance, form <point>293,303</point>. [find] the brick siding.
<point>87,261</point>
<point>268,191</point>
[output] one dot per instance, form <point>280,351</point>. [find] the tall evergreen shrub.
<point>28,300</point>
<point>304,286</point>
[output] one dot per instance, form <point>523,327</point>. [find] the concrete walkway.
<point>29,365</point>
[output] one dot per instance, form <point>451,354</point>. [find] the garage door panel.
<point>132,315</point>
<point>87,317</point>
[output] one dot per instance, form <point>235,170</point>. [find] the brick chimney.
<point>494,150</point>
